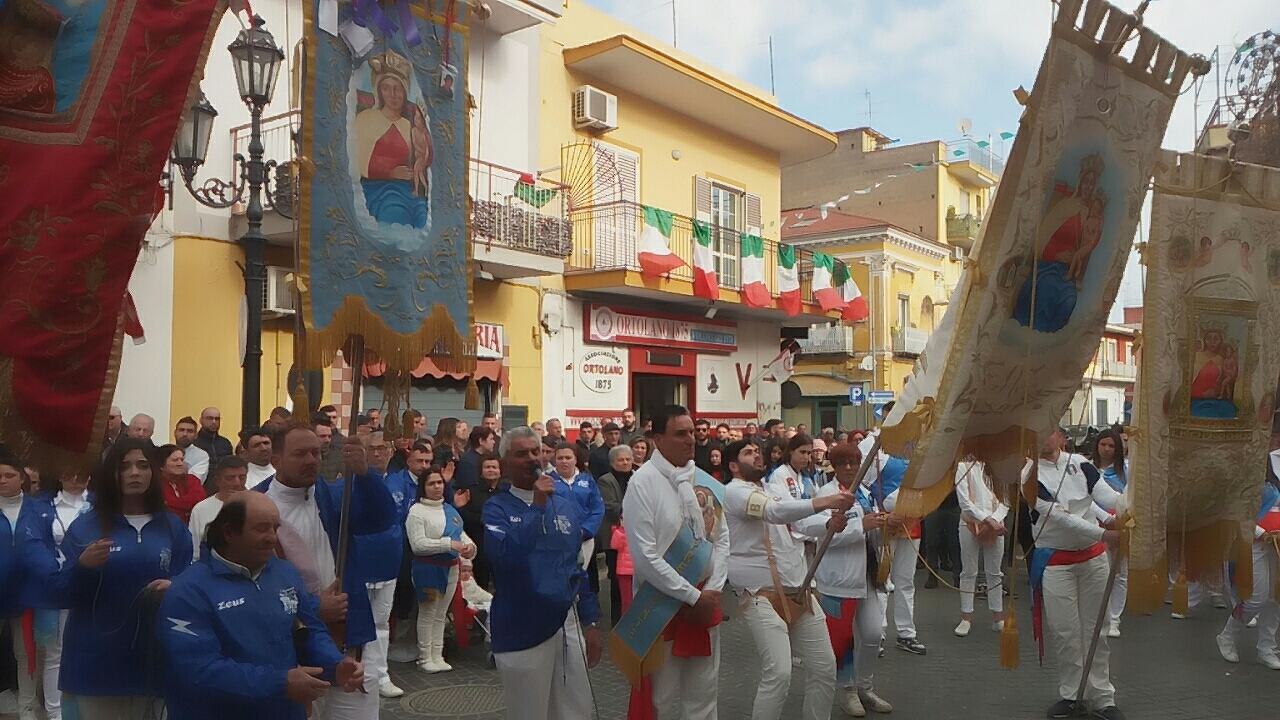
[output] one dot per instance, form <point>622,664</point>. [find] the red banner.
<point>89,105</point>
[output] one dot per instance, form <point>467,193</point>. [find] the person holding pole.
<point>767,565</point>
<point>1071,574</point>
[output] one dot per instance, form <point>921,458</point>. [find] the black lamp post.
<point>257,60</point>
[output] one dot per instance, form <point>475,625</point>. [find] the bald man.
<point>208,438</point>
<point>142,427</point>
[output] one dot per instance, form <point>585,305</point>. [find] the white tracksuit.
<point>978,502</point>
<point>1069,519</point>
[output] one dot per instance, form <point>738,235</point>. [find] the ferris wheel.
<point>1253,78</point>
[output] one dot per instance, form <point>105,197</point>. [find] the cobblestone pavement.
<point>1163,669</point>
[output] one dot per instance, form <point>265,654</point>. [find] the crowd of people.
<point>211,579</point>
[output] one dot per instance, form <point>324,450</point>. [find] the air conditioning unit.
<point>278,299</point>
<point>594,109</point>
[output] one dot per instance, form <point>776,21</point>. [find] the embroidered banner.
<point>1210,357</point>
<point>1030,309</point>
<point>91,93</point>
<point>384,239</point>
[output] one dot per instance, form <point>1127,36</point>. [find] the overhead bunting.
<point>88,111</point>
<point>1026,319</point>
<point>788,280</point>
<point>1210,358</point>
<point>384,239</point>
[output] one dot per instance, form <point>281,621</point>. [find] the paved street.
<point>1163,669</point>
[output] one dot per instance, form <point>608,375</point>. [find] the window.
<point>615,192</point>
<point>726,224</point>
<point>904,311</point>
<point>1102,416</point>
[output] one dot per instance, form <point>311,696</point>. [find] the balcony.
<point>604,263</point>
<point>518,222</point>
<point>973,163</point>
<point>909,342</point>
<point>962,230</point>
<point>508,16</point>
<point>1113,371</point>
<point>828,340</point>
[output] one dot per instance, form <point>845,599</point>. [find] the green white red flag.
<point>824,288</point>
<point>705,283</point>
<point>754,292</point>
<point>653,250</point>
<point>855,308</point>
<point>788,280</point>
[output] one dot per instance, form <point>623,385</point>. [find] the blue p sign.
<point>855,395</point>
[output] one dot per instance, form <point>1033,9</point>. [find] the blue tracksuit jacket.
<point>380,555</point>
<point>586,493</point>
<point>25,549</point>
<point>536,577</point>
<point>108,648</point>
<point>228,641</point>
<point>372,511</point>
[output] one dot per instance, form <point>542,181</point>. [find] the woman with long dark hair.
<point>789,474</point>
<point>775,450</point>
<point>447,444</point>
<point>120,557</point>
<point>1108,457</point>
<point>439,543</point>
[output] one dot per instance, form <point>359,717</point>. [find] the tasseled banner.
<point>1180,602</point>
<point>1009,640</point>
<point>473,395</point>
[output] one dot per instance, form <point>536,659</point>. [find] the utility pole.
<point>773,89</point>
<point>868,96</point>
<point>674,42</point>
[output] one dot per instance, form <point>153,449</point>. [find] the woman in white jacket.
<point>434,529</point>
<point>850,603</point>
<point>981,532</point>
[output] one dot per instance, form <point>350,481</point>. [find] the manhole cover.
<point>456,701</point>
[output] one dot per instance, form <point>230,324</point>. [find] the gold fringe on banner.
<point>472,400</point>
<point>406,424</point>
<point>395,394</point>
<point>437,338</point>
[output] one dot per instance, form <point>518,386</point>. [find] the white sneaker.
<point>852,705</point>
<point>997,626</point>
<point>1114,630</point>
<point>444,666</point>
<point>429,666</point>
<point>388,689</point>
<point>797,661</point>
<point>1177,616</point>
<point>874,702</point>
<point>1270,660</point>
<point>1218,601</point>
<point>1227,647</point>
<point>962,630</point>
<point>1253,623</point>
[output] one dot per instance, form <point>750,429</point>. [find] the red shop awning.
<point>491,370</point>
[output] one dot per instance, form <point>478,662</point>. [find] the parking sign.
<point>855,395</point>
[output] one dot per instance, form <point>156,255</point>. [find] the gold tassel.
<point>886,560</point>
<point>1244,568</point>
<point>1180,602</point>
<point>301,403</point>
<point>473,395</point>
<point>1009,640</point>
<point>406,425</point>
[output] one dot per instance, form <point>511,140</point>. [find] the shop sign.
<point>636,327</point>
<point>602,371</point>
<point>489,341</point>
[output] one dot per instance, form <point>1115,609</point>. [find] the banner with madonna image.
<point>1033,300</point>
<point>1210,358</point>
<point>384,248</point>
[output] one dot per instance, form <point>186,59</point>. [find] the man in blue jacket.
<point>380,557</point>
<point>544,614</point>
<point>241,634</point>
<point>310,514</point>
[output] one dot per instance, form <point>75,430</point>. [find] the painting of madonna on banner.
<point>1074,245</point>
<point>1220,345</point>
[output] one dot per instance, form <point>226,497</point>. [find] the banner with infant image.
<point>384,245</point>
<point>1210,358</point>
<point>1026,319</point>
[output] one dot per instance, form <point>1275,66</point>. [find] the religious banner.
<point>91,94</point>
<point>1026,319</point>
<point>384,237</point>
<point>1210,358</point>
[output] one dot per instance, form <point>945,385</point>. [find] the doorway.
<point>650,392</point>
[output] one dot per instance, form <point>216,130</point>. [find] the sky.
<point>912,69</point>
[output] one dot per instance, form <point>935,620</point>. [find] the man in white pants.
<point>1263,605</point>
<point>765,559</point>
<point>981,534</point>
<point>1071,554</point>
<point>544,614</point>
<point>660,502</point>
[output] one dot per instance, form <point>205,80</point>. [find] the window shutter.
<point>701,198</point>
<point>617,175</point>
<point>753,214</point>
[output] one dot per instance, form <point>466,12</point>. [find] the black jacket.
<point>217,446</point>
<point>598,463</point>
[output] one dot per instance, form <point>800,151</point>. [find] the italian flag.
<point>824,290</point>
<point>705,283</point>
<point>855,308</point>
<point>754,292</point>
<point>654,249</point>
<point>788,280</point>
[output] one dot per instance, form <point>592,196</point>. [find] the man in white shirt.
<point>257,443</point>
<point>1071,542</point>
<point>229,477</point>
<point>660,502</point>
<point>196,460</point>
<point>757,514</point>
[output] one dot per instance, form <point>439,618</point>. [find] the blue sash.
<point>431,572</point>
<point>634,645</point>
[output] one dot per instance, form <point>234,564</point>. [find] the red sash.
<point>1075,557</point>
<point>1270,522</point>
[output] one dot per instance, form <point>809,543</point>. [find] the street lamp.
<point>257,60</point>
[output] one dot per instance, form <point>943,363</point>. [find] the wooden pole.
<point>826,541</point>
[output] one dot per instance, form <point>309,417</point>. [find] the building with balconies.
<point>1106,392</point>
<point>188,285</point>
<point>907,281</point>
<point>629,124</point>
